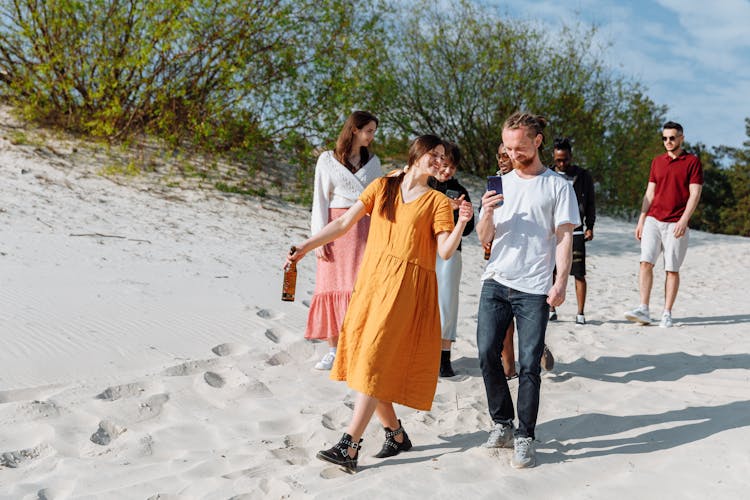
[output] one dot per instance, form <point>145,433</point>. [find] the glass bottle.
<point>290,280</point>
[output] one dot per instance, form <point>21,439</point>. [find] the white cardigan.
<point>336,187</point>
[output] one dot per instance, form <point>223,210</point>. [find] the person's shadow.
<point>593,434</point>
<point>715,320</point>
<point>648,367</point>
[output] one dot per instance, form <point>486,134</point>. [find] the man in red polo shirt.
<point>673,191</point>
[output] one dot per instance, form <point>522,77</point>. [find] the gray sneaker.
<point>523,453</point>
<point>501,436</point>
<point>638,315</point>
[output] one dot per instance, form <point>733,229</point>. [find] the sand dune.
<point>146,354</point>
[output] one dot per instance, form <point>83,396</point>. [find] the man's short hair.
<point>563,143</point>
<point>452,152</point>
<point>673,125</point>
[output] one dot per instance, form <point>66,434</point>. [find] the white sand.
<point>162,363</point>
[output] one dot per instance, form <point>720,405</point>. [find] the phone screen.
<point>452,194</point>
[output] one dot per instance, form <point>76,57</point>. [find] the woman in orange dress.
<point>389,346</point>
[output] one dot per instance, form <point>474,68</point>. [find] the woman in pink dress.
<point>340,177</point>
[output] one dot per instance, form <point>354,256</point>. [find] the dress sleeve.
<point>371,193</point>
<point>321,196</point>
<point>443,220</point>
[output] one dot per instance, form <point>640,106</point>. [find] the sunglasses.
<point>502,157</point>
<point>671,138</point>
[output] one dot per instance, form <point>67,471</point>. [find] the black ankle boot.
<point>446,370</point>
<point>391,447</point>
<point>339,454</point>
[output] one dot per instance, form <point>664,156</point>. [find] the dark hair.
<point>563,143</point>
<point>358,120</point>
<point>452,153</point>
<point>533,123</point>
<point>673,125</point>
<point>419,146</point>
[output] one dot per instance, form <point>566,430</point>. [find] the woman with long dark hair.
<point>389,347</point>
<point>340,177</point>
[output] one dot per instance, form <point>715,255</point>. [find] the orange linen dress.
<point>389,347</point>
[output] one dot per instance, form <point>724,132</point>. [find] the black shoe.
<point>391,447</point>
<point>339,454</point>
<point>446,369</point>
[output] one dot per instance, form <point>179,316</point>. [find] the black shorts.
<point>578,268</point>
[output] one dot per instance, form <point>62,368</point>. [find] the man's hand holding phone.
<point>493,198</point>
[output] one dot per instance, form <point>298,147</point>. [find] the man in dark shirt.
<point>583,185</point>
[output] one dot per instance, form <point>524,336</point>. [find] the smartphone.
<point>495,183</point>
<point>452,194</point>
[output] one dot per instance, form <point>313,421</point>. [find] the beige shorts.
<point>658,236</point>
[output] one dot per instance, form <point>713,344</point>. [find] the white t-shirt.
<point>523,251</point>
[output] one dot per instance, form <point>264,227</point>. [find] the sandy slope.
<point>146,354</point>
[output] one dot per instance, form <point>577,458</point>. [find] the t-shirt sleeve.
<point>443,220</point>
<point>566,208</point>
<point>696,173</point>
<point>373,191</point>
<point>651,174</point>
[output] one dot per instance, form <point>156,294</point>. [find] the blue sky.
<point>692,55</point>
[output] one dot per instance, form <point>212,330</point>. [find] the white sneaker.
<point>523,453</point>
<point>666,320</point>
<point>326,363</point>
<point>638,315</point>
<point>580,319</point>
<point>501,436</point>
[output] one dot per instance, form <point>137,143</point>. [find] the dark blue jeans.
<point>498,304</point>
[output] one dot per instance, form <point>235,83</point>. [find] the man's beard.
<point>523,163</point>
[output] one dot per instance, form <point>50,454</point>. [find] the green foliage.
<point>459,71</point>
<point>270,82</point>
<point>240,188</point>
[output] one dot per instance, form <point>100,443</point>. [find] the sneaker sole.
<point>636,319</point>
<point>523,466</point>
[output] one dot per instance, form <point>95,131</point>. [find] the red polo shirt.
<point>673,178</point>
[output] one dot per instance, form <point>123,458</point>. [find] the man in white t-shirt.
<point>530,226</point>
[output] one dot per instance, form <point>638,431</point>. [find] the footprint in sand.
<point>106,433</point>
<point>116,392</point>
<point>15,459</point>
<point>271,335</point>
<point>214,379</point>
<point>34,393</point>
<point>258,389</point>
<point>230,349</point>
<point>59,491</point>
<point>152,407</point>
<point>280,358</point>
<point>267,314</point>
<point>39,409</point>
<point>292,456</point>
<point>191,367</point>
